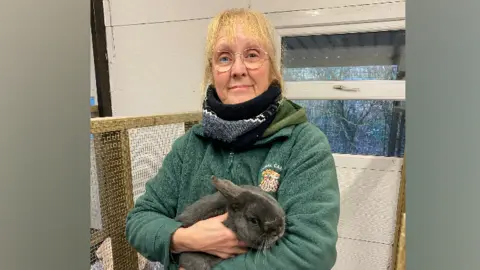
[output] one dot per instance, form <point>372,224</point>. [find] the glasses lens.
<point>253,58</point>
<point>223,68</point>
<point>222,61</point>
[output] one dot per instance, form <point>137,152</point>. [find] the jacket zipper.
<point>230,162</point>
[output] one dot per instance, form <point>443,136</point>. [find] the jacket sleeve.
<point>150,224</point>
<point>309,194</point>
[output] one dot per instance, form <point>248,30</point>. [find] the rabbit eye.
<point>235,207</point>
<point>253,221</point>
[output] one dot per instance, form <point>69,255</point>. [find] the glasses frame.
<point>263,59</point>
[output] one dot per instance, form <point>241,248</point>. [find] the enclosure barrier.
<point>112,185</point>
<point>125,153</point>
<point>400,257</point>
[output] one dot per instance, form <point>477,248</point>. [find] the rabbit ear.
<point>227,189</point>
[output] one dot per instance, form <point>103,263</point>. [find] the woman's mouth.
<point>239,87</point>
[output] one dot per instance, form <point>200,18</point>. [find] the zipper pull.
<point>230,161</point>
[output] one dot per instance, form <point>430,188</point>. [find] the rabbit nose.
<point>271,230</point>
<point>274,232</point>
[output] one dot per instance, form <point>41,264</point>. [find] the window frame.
<point>326,90</point>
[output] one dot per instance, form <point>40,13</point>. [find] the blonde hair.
<point>255,25</point>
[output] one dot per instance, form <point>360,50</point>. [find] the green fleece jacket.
<point>293,156</point>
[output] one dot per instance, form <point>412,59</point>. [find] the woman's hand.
<point>209,236</point>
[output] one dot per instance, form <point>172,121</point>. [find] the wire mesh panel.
<point>370,188</point>
<point>114,182</point>
<point>96,232</point>
<point>148,147</point>
<point>125,153</point>
<point>369,203</point>
<point>361,255</point>
<point>95,212</point>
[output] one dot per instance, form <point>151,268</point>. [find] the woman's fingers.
<point>215,238</point>
<point>234,247</point>
<point>238,250</point>
<point>229,236</point>
<point>231,253</point>
<point>220,218</point>
<point>222,255</point>
<point>242,244</point>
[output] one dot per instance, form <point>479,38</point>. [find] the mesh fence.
<point>148,148</point>
<point>370,199</point>
<point>125,153</point>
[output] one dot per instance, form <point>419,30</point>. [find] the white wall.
<point>156,47</point>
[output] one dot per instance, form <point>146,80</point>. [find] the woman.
<point>249,134</point>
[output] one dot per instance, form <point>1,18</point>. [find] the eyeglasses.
<point>252,58</point>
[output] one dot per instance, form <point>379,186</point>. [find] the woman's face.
<point>240,84</point>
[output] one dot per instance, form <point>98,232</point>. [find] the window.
<point>360,127</point>
<point>352,86</point>
<point>352,56</point>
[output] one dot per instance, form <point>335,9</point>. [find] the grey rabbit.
<point>253,215</point>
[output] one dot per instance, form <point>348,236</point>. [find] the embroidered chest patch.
<point>270,180</point>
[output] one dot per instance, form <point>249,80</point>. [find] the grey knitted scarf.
<point>239,125</point>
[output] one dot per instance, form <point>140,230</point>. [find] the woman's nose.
<point>238,67</point>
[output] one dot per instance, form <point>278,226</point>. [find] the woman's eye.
<point>224,59</point>
<point>252,54</point>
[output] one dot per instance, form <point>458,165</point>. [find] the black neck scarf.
<point>239,126</point>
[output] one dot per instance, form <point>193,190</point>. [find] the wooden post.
<point>397,244</point>
<point>100,58</point>
<point>189,125</point>
<point>401,254</point>
<point>116,194</point>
